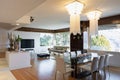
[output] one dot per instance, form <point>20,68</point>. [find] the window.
<point>62,39</point>
<point>108,38</point>
<point>46,39</point>
<point>85,40</point>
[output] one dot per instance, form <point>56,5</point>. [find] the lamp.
<point>74,9</point>
<point>93,16</point>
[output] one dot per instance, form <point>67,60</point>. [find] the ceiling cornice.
<point>26,29</point>
<point>103,21</point>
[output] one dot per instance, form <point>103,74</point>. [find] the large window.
<point>62,39</point>
<point>108,38</point>
<point>85,40</point>
<point>46,39</point>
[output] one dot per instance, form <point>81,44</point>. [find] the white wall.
<point>36,37</point>
<point>3,40</point>
<point>115,59</point>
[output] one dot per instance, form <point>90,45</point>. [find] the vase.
<point>17,46</point>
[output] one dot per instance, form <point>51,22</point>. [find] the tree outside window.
<point>100,42</point>
<point>46,39</point>
<point>62,39</point>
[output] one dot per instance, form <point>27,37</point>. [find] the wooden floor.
<point>44,69</point>
<point>2,54</point>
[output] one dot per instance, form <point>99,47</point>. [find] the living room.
<point>34,20</point>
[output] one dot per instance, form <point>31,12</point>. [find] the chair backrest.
<point>73,54</point>
<point>67,57</point>
<point>94,66</point>
<point>78,52</point>
<point>101,62</point>
<point>60,65</point>
<point>106,62</point>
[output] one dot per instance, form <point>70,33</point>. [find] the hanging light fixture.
<point>75,9</point>
<point>93,16</point>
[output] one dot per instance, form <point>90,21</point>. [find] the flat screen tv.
<point>27,43</point>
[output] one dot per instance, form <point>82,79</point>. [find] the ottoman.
<point>43,55</point>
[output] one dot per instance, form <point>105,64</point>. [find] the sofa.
<point>58,49</point>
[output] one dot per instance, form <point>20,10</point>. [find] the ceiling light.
<point>74,9</point>
<point>17,24</point>
<point>93,16</point>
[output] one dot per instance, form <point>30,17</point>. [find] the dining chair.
<point>90,69</point>
<point>101,64</point>
<point>74,60</point>
<point>61,67</point>
<point>106,65</point>
<point>67,59</point>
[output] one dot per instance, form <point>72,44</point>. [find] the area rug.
<point>6,75</point>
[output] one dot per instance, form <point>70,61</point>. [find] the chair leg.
<point>63,77</point>
<point>104,74</point>
<point>109,72</point>
<point>94,76</point>
<point>55,75</point>
<point>100,77</point>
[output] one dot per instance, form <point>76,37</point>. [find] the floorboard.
<point>44,69</point>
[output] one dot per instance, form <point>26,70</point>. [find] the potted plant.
<point>17,43</point>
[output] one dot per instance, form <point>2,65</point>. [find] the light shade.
<point>74,7</point>
<point>75,24</point>
<point>93,16</point>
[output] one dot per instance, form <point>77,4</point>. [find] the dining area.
<point>84,66</point>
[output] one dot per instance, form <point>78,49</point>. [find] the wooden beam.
<point>61,30</point>
<point>34,30</point>
<point>110,20</point>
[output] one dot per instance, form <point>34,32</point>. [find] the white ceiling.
<point>51,14</point>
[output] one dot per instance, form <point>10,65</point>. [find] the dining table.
<point>83,59</point>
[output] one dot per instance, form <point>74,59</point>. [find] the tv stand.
<point>27,49</point>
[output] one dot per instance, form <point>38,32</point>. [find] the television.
<point>27,43</point>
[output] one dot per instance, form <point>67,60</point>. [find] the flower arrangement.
<point>17,43</point>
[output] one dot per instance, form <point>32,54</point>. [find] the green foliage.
<point>62,38</point>
<point>18,38</point>
<point>45,40</point>
<point>101,41</point>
